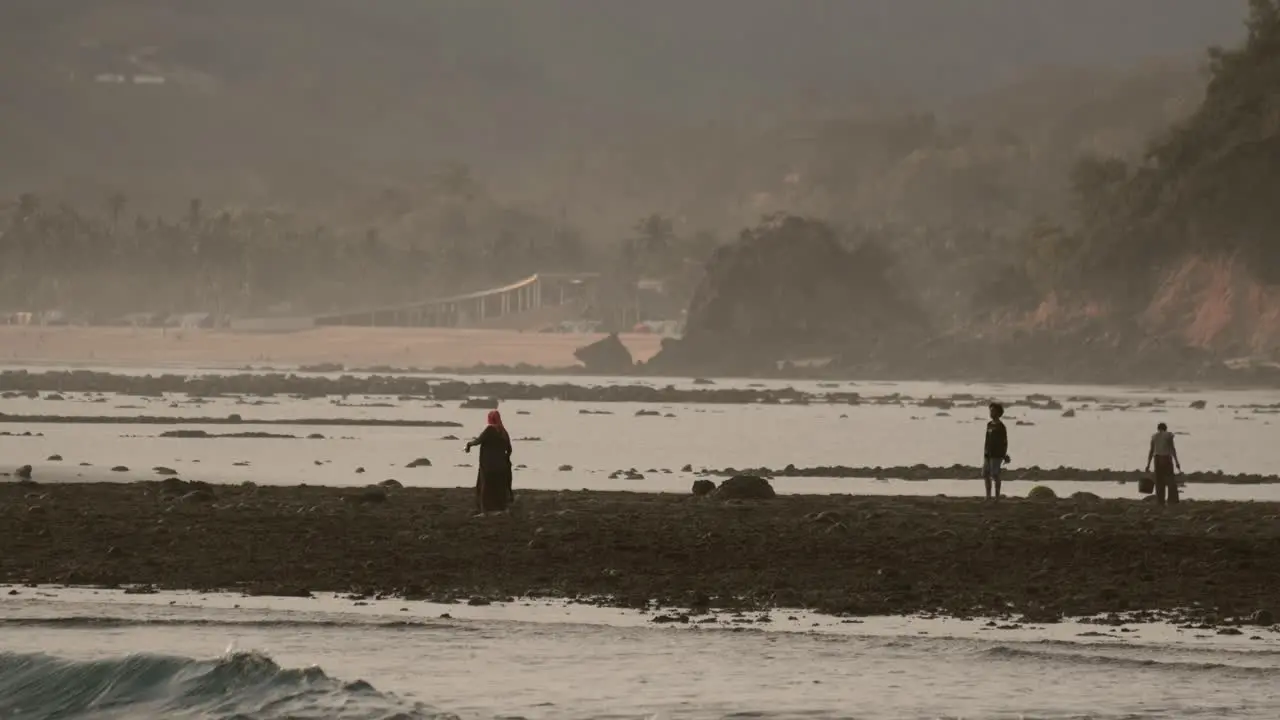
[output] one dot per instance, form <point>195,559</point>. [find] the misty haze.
<point>632,358</point>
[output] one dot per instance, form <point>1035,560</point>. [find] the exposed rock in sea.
<point>54,458</point>
<point>23,472</point>
<point>480,403</point>
<point>745,487</point>
<point>120,468</point>
<point>420,462</point>
<point>162,470</point>
<point>606,357</point>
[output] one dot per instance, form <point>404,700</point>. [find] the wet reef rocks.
<point>838,554</point>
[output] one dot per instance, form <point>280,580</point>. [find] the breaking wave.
<point>239,686</point>
<point>1121,661</point>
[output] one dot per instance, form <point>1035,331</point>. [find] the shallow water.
<point>1227,436</point>
<point>166,655</point>
<point>560,661</point>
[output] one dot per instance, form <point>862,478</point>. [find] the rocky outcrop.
<point>606,357</point>
<point>745,487</point>
<point>788,290</point>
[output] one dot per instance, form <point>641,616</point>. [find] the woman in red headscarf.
<point>493,480</point>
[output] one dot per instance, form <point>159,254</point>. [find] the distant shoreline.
<point>832,554</point>
<point>474,353</point>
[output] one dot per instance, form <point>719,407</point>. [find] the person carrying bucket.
<point>1165,456</point>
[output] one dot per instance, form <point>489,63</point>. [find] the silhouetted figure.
<point>1165,456</point>
<point>995,452</point>
<point>493,479</point>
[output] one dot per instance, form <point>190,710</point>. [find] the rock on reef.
<point>788,289</point>
<point>1041,492</point>
<point>745,487</point>
<point>703,487</point>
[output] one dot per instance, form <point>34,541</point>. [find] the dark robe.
<point>493,479</point>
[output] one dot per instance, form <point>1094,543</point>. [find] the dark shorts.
<point>991,467</point>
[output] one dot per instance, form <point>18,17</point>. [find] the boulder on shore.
<point>1040,492</point>
<point>703,487</point>
<point>745,487</point>
<point>606,357</point>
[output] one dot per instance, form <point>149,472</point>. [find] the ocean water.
<point>72,653</point>
<point>75,653</point>
<point>1233,434</point>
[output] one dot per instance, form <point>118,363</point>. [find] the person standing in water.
<point>995,452</point>
<point>1165,456</point>
<point>493,479</point>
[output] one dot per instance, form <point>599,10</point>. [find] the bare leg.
<point>986,482</point>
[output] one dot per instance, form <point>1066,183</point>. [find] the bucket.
<point>1146,485</point>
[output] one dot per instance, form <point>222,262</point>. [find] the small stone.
<point>390,483</point>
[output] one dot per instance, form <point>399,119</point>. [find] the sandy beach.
<point>836,554</point>
<point>353,347</point>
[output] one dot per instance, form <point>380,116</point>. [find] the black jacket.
<point>997,445</point>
